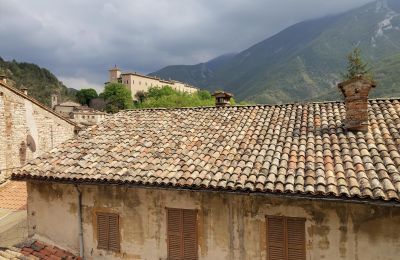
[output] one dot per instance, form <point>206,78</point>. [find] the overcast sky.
<point>79,40</point>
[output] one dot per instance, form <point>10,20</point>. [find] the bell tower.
<point>115,73</point>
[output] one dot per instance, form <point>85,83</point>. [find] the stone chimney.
<point>355,92</point>
<point>222,98</point>
<point>3,78</point>
<point>24,90</point>
<point>54,100</point>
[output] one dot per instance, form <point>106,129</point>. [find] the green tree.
<point>168,97</point>
<point>85,95</point>
<point>356,66</point>
<point>140,95</point>
<point>117,96</point>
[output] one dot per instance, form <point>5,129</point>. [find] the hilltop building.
<point>137,82</point>
<point>295,181</point>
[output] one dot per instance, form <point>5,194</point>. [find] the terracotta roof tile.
<point>36,250</point>
<point>295,148</point>
<point>13,195</point>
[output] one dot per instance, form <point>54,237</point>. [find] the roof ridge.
<point>253,105</point>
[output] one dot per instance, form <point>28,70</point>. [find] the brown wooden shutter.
<point>285,238</point>
<point>108,231</point>
<point>174,226</point>
<point>189,234</point>
<point>102,231</point>
<point>113,231</point>
<point>182,234</point>
<point>295,239</point>
<point>276,238</point>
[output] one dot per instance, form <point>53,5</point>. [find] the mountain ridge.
<point>40,82</point>
<point>305,61</point>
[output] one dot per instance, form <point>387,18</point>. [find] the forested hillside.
<point>305,61</point>
<point>40,82</point>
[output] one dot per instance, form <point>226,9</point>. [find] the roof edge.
<point>258,105</point>
<point>295,195</point>
<point>16,91</point>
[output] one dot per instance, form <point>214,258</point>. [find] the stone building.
<point>137,82</point>
<point>82,115</point>
<point>27,128</point>
<point>278,182</point>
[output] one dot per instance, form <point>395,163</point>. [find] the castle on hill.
<point>137,82</point>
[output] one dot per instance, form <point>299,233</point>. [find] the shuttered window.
<point>182,234</point>
<point>108,231</point>
<point>285,238</point>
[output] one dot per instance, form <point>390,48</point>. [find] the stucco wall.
<point>230,226</point>
<point>20,117</point>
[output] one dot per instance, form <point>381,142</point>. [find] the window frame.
<point>195,211</point>
<point>285,235</point>
<point>116,217</point>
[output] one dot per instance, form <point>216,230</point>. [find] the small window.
<point>108,231</point>
<point>285,238</point>
<point>182,234</point>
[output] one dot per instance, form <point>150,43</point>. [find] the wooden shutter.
<point>182,234</point>
<point>175,227</point>
<point>189,234</point>
<point>285,238</point>
<point>108,231</point>
<point>295,239</point>
<point>275,238</point>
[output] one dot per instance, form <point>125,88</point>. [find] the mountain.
<point>305,61</point>
<point>40,82</point>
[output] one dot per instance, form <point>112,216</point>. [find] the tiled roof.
<point>298,149</point>
<point>35,250</point>
<point>13,195</point>
<point>69,104</point>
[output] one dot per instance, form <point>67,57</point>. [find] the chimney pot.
<point>222,98</point>
<point>355,92</point>
<point>3,78</point>
<point>24,90</point>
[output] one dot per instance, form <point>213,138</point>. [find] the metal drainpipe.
<point>81,251</point>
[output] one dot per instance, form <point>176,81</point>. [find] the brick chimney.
<point>355,92</point>
<point>222,98</point>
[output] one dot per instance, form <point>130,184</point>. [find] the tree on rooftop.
<point>117,96</point>
<point>356,66</point>
<point>85,95</point>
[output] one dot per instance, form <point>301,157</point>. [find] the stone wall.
<point>230,226</point>
<point>27,130</point>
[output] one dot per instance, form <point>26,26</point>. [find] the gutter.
<point>297,196</point>
<point>80,234</point>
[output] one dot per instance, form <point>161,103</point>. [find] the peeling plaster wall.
<point>19,117</point>
<point>230,226</point>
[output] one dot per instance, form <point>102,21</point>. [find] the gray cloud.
<point>80,40</point>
